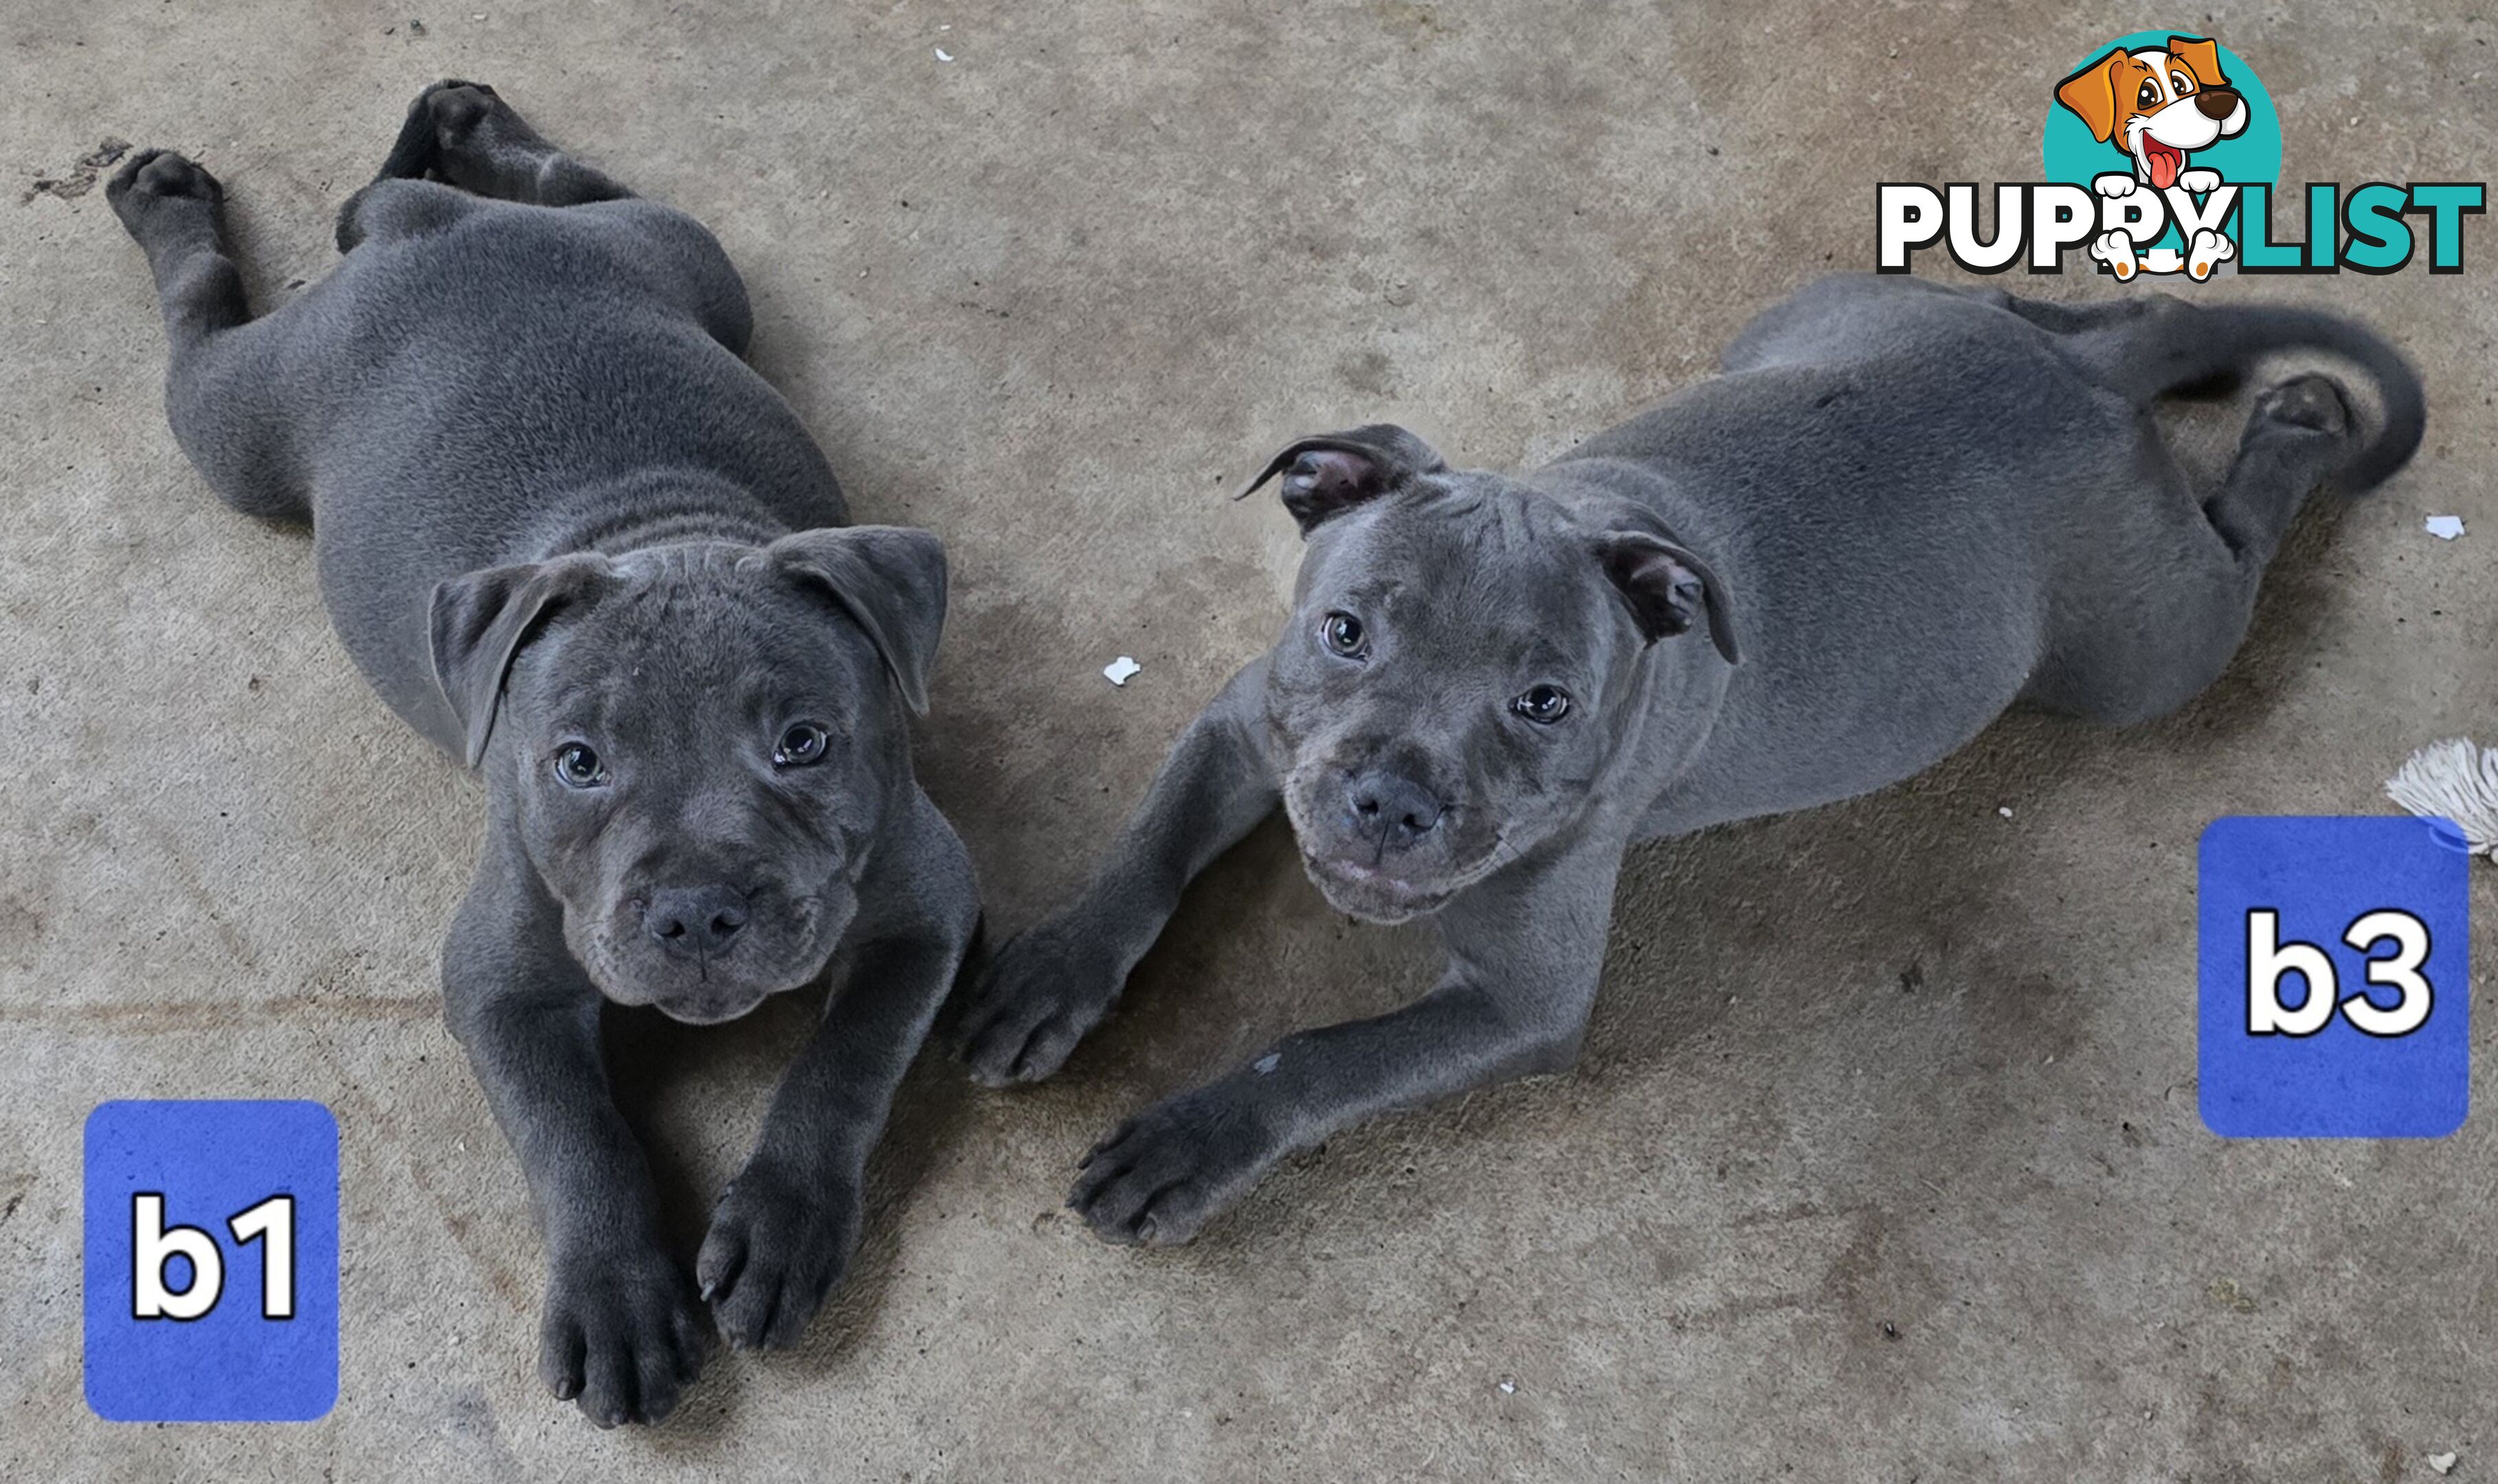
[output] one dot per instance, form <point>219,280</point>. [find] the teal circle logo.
<point>2074,153</point>
<point>2165,107</point>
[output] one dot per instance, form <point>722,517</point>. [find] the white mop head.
<point>2453,780</point>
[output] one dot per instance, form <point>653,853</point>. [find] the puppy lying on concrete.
<point>573,539</point>
<point>1903,509</point>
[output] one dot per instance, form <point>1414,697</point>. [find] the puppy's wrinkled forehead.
<point>694,626</point>
<point>695,631</point>
<point>1380,507</point>
<point>1461,553</point>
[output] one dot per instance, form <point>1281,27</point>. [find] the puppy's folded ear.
<point>1667,587</point>
<point>890,580</point>
<point>2092,94</point>
<point>1331,473</point>
<point>479,622</point>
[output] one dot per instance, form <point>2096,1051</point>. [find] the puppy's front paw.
<point>2115,183</point>
<point>622,1335</point>
<point>1039,997</point>
<point>2201,183</point>
<point>776,1247</point>
<point>1166,1172</point>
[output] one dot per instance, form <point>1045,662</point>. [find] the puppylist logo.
<point>2161,153</point>
<point>2160,107</point>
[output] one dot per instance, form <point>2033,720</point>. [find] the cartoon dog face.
<point>2156,104</point>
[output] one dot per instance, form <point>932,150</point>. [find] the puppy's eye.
<point>2182,82</point>
<point>1342,633</point>
<point>801,746</point>
<point>1543,705</point>
<point>578,767</point>
<point>2150,93</point>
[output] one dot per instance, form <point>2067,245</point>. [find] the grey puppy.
<point>573,539</point>
<point>1903,509</point>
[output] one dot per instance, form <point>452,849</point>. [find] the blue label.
<point>2334,1001</point>
<point>211,1261</point>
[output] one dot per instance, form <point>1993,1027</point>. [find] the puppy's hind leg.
<point>2170,597</point>
<point>466,134</point>
<point>2295,435</point>
<point>175,210</point>
<point>215,379</point>
<point>462,133</point>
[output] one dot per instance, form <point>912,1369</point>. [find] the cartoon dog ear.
<point>890,580</point>
<point>2201,57</point>
<point>1331,473</point>
<point>479,622</point>
<point>2092,94</point>
<point>1667,587</point>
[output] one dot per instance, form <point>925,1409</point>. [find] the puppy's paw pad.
<point>1164,1174</point>
<point>162,172</point>
<point>622,1337</point>
<point>773,1251</point>
<point>154,178</point>
<point>457,106</point>
<point>2314,403</point>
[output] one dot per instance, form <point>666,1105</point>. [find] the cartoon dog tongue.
<point>2164,162</point>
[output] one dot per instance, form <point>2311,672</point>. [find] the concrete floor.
<point>1884,1162</point>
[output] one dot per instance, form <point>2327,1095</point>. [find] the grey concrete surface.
<point>1884,1162</point>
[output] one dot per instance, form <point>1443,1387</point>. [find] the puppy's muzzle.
<point>1392,809</point>
<point>697,922</point>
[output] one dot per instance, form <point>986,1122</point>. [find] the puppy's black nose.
<point>695,921</point>
<point>1392,808</point>
<point>2217,102</point>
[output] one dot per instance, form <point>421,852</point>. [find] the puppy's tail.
<point>2178,345</point>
